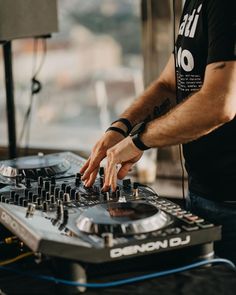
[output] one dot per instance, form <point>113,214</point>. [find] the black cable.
<point>183,174</point>
<point>27,114</point>
<point>44,44</point>
<point>35,88</point>
<point>176,93</point>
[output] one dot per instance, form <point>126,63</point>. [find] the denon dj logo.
<point>148,247</point>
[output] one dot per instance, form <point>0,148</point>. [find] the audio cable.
<point>123,281</point>
<point>19,257</point>
<point>9,241</point>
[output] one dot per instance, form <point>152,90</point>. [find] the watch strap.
<point>138,143</point>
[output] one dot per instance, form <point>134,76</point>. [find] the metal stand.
<point>10,106</point>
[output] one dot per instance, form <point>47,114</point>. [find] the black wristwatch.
<point>135,135</point>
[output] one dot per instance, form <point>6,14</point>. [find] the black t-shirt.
<point>207,34</point>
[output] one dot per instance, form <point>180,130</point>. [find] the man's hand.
<point>91,166</point>
<point>158,93</point>
<point>124,153</point>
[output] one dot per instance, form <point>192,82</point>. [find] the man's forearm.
<point>155,101</point>
<point>195,117</point>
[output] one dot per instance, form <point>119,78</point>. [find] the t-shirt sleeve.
<point>221,23</point>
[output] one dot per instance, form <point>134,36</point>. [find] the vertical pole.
<point>10,107</point>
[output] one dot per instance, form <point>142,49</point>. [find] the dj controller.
<point>44,202</point>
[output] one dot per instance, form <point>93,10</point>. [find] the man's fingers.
<point>124,170</point>
<point>93,164</point>
<point>106,186</point>
<point>110,172</point>
<point>85,166</point>
<point>92,178</point>
<point>112,178</point>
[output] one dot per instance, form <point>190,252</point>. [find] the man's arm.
<point>160,93</point>
<point>206,110</point>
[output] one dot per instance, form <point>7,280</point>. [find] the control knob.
<point>46,185</point>
<point>77,179</point>
<point>108,239</point>
<point>106,196</point>
<point>77,196</point>
<point>45,206</point>
<point>135,189</point>
<point>27,183</point>
<point>68,188</point>
<point>18,180</point>
<point>30,210</point>
<point>53,181</point>
<point>40,181</point>
<point>66,198</point>
<point>72,193</point>
<point>56,192</point>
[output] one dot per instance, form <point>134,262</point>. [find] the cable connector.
<point>11,240</point>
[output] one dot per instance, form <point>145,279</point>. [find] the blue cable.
<point>123,281</point>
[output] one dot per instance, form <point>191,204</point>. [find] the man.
<point>204,66</point>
